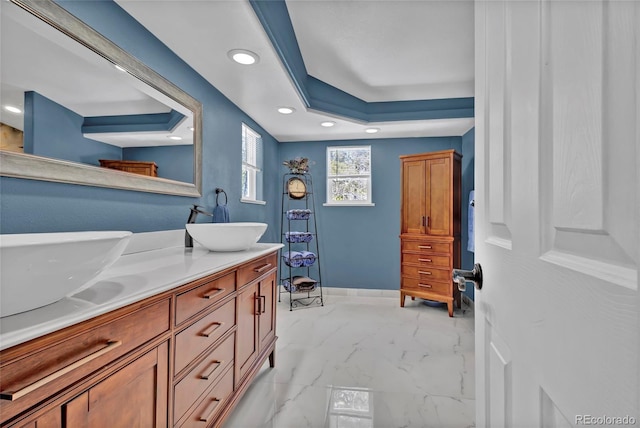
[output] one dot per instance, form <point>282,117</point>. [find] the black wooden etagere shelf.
<point>300,276</point>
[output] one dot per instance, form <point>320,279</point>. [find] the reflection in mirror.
<point>69,114</point>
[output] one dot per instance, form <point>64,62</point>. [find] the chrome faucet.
<point>195,210</point>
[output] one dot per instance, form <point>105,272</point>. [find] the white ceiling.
<point>376,50</point>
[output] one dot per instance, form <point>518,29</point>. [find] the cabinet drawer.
<point>437,287</point>
<point>427,247</point>
<point>192,341</point>
<point>203,296</point>
<point>211,406</point>
<point>427,260</point>
<point>426,273</point>
<point>40,373</point>
<point>256,268</point>
<point>203,376</point>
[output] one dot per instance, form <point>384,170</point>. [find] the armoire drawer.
<point>427,247</point>
<point>213,403</point>
<point>426,273</point>
<point>51,368</point>
<point>203,376</point>
<point>203,333</point>
<point>437,287</point>
<point>256,269</point>
<point>203,296</point>
<point>427,260</point>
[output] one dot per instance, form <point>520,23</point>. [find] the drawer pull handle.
<point>10,395</point>
<point>209,415</point>
<point>262,268</point>
<point>207,376</point>
<point>208,332</point>
<point>424,272</point>
<point>213,293</point>
<point>425,260</point>
<point>424,285</point>
<point>424,247</point>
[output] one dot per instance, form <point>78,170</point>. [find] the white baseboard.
<point>366,292</point>
<point>360,292</point>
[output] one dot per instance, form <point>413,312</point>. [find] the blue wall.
<point>360,246</point>
<point>174,162</point>
<point>54,131</point>
<point>37,206</point>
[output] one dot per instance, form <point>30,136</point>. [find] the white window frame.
<point>368,202</point>
<point>251,165</point>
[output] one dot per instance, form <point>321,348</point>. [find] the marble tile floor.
<point>364,362</point>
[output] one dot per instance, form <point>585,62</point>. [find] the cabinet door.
<point>413,197</point>
<point>247,330</point>
<point>51,419</point>
<point>267,320</point>
<point>439,197</point>
<point>134,396</point>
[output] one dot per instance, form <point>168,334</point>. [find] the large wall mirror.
<point>87,112</point>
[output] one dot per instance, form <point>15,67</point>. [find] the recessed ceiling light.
<point>286,110</point>
<point>12,109</point>
<point>191,128</point>
<point>328,124</point>
<point>119,68</point>
<point>174,137</point>
<point>371,130</point>
<point>242,56</point>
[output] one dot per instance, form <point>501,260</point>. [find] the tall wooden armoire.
<point>430,226</point>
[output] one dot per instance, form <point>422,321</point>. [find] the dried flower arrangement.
<point>298,165</point>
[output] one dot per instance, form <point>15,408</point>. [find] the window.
<point>349,175</point>
<point>251,165</point>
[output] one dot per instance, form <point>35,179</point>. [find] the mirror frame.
<point>20,165</point>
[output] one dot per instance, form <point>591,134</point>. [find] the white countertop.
<point>134,277</point>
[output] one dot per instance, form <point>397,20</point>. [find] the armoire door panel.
<point>438,197</point>
<point>413,208</point>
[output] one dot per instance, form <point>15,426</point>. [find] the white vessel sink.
<point>37,269</point>
<point>226,236</point>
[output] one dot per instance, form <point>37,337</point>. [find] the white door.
<point>557,209</point>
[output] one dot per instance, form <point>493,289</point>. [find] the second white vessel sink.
<point>37,269</point>
<point>238,236</point>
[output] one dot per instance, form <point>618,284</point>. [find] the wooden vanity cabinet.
<point>134,396</point>
<point>173,359</point>
<point>256,323</point>
<point>53,368</point>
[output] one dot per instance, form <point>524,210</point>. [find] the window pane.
<point>350,161</point>
<point>251,163</point>
<point>348,189</point>
<point>245,183</point>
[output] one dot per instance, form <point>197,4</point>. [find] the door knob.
<point>461,277</point>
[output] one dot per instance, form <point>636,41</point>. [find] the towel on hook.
<point>221,214</point>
